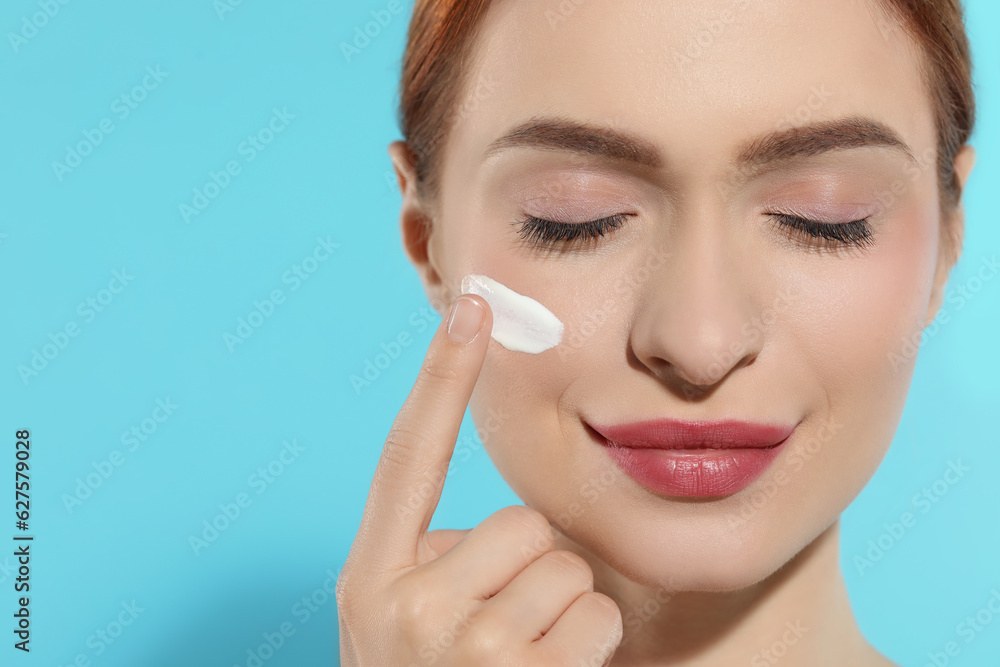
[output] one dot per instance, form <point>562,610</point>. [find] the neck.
<point>800,615</point>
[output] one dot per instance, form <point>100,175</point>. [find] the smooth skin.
<point>499,594</point>
<point>653,311</point>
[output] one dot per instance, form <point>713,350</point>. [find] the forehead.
<point>696,77</point>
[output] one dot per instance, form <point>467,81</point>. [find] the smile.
<point>693,459</point>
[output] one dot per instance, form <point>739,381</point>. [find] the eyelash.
<point>547,232</point>
<point>857,233</point>
<point>539,231</point>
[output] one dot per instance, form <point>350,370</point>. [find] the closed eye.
<point>856,233</point>
<point>542,232</point>
<point>548,232</point>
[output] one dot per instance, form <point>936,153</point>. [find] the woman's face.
<point>701,305</point>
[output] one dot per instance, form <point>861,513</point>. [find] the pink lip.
<point>690,458</point>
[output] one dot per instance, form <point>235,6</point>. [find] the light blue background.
<point>325,175</point>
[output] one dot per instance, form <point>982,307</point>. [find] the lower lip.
<point>695,472</point>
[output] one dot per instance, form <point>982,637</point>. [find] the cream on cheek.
<point>520,323</point>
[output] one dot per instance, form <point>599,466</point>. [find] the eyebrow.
<point>809,140</point>
<point>764,151</point>
<point>576,137</point>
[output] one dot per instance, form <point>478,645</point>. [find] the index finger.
<point>410,474</point>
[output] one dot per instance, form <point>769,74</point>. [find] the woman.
<point>740,212</point>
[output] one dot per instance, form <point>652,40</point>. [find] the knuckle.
<point>403,446</point>
<point>342,591</point>
<point>345,590</point>
<point>604,643</point>
<point>572,565</point>
<point>436,372</point>
<point>606,607</point>
<point>533,522</point>
<point>411,606</point>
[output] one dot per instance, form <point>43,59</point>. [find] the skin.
<point>698,307</point>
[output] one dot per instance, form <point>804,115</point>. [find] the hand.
<point>498,594</point>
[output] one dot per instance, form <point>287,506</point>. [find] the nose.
<point>696,320</point>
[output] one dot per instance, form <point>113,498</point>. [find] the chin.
<point>690,554</point>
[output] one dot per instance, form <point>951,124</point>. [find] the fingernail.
<point>465,319</point>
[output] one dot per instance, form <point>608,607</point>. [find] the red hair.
<point>441,33</point>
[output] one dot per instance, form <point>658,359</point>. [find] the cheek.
<point>525,389</point>
<point>858,314</point>
<point>535,393</point>
<point>530,440</point>
<point>851,333</point>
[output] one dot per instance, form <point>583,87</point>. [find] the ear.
<point>416,227</point>
<point>951,248</point>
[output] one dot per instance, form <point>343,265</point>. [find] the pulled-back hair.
<point>441,34</point>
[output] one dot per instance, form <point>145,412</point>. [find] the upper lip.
<point>678,434</point>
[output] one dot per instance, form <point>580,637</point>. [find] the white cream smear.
<point>519,322</point>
